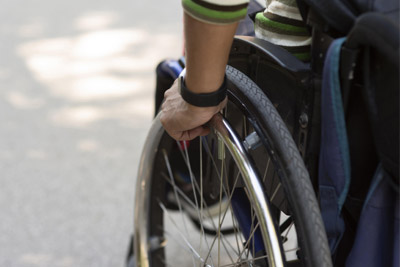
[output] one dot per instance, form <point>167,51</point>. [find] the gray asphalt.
<point>76,102</point>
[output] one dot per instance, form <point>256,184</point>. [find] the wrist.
<point>202,99</point>
<point>203,82</point>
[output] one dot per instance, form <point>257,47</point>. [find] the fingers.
<point>183,121</point>
<point>189,134</point>
<point>193,133</point>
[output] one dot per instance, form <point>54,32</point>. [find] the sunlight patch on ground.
<point>91,68</point>
<point>101,87</point>
<point>36,259</point>
<point>77,116</point>
<point>131,112</point>
<point>123,50</point>
<point>88,145</point>
<point>21,101</point>
<point>34,28</point>
<point>4,73</point>
<point>95,20</point>
<point>36,154</point>
<point>105,43</point>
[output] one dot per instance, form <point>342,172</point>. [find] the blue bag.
<point>376,240</point>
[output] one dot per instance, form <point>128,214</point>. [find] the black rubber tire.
<point>295,178</point>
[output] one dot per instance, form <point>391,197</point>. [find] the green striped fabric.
<point>279,27</point>
<point>215,13</point>
<point>281,24</point>
<point>288,2</point>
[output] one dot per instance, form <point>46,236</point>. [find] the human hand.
<point>183,121</point>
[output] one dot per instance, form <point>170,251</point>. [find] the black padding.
<point>378,31</point>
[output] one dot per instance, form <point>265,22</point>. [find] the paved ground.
<point>76,86</point>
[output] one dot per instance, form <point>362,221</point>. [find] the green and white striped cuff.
<point>216,11</point>
<point>282,25</point>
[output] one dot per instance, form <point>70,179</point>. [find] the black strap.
<point>204,99</point>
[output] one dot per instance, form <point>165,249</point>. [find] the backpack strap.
<point>334,163</point>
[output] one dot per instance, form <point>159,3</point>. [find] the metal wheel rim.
<point>225,132</point>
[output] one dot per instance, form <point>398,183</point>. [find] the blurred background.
<point>76,101</point>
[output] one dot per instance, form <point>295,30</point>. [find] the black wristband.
<point>202,99</point>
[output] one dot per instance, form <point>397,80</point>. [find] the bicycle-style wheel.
<point>239,197</point>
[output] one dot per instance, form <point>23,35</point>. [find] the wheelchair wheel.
<point>239,197</point>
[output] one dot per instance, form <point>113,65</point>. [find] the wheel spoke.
<point>194,187</point>
<point>183,195</point>
<point>276,190</point>
<point>222,214</point>
<point>236,232</point>
<point>248,241</point>
<point>201,192</point>
<point>266,170</point>
<point>191,248</point>
<point>226,210</point>
<point>288,230</point>
<point>171,176</point>
<point>176,195</point>
<point>246,260</point>
<point>220,198</point>
<point>192,179</point>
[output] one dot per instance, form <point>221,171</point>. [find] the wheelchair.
<point>245,195</point>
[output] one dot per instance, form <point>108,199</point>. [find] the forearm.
<point>207,51</point>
